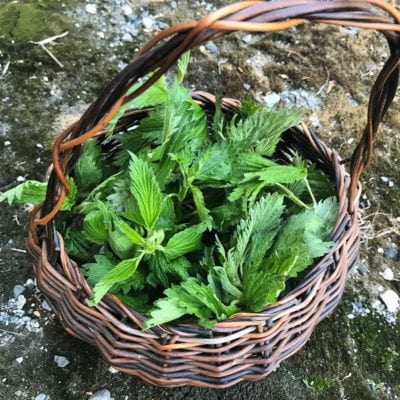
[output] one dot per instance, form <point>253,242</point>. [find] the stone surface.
<point>103,394</point>
<point>353,359</point>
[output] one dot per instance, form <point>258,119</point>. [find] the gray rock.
<point>45,305</point>
<point>20,302</point>
<point>391,253</point>
<point>173,4</point>
<point>61,361</point>
<point>211,47</point>
<point>391,300</point>
<point>42,396</point>
<point>148,22</point>
<point>248,38</point>
<point>18,289</point>
<point>271,100</point>
<point>384,179</point>
<point>246,86</point>
<point>127,10</point>
<point>91,8</point>
<point>127,37</point>
<point>103,394</point>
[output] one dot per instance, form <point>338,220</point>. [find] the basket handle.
<point>251,16</point>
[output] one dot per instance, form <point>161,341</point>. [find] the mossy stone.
<point>27,21</point>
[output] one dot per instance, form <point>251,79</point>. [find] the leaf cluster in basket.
<point>192,214</point>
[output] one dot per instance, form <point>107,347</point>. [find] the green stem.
<point>292,196</point>
<point>311,192</point>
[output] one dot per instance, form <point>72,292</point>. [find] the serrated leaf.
<point>97,223</point>
<point>200,204</point>
<point>183,64</point>
<point>70,200</point>
<point>146,190</point>
<point>184,241</point>
<point>133,236</point>
<point>76,244</point>
<point>166,309</point>
<point>96,271</point>
<point>121,245</point>
<point>31,191</point>
<point>122,271</point>
<point>164,272</point>
<point>88,169</point>
<point>277,174</point>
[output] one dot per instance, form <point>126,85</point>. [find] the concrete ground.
<point>354,354</point>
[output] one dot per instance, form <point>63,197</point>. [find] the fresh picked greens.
<point>193,215</point>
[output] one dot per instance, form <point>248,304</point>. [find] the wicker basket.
<point>246,346</point>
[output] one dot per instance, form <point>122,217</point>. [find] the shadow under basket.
<point>247,346</point>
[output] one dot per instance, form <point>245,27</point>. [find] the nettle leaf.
<point>31,191</point>
<point>139,301</point>
<point>164,272</point>
<point>96,271</point>
<point>121,272</point>
<point>166,309</point>
<point>88,169</point>
<point>260,289</point>
<point>191,298</point>
<point>97,223</point>
<point>205,295</point>
<point>121,245</point>
<point>133,236</point>
<point>185,241</point>
<point>70,200</point>
<point>214,164</point>
<point>199,202</point>
<point>277,174</point>
<point>146,190</point>
<point>262,129</point>
<point>254,236</point>
<point>76,244</point>
<point>166,220</point>
<point>183,64</point>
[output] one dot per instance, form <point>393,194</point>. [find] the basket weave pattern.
<point>247,346</point>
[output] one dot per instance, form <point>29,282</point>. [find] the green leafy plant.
<point>194,215</point>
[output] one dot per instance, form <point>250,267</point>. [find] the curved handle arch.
<point>164,49</point>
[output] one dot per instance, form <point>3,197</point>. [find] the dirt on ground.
<point>355,353</point>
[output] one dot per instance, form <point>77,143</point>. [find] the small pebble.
<point>391,253</point>
<point>391,300</point>
<point>45,305</point>
<point>211,47</point>
<point>388,274</point>
<point>18,289</point>
<point>7,143</point>
<point>246,86</point>
<point>113,370</point>
<point>101,395</point>
<point>61,361</point>
<point>247,38</point>
<point>390,184</point>
<point>39,146</point>
<point>127,37</point>
<point>20,302</point>
<point>272,99</point>
<point>42,396</point>
<point>21,179</point>
<point>350,316</point>
<point>127,10</point>
<point>147,22</point>
<point>380,250</point>
<point>173,5</point>
<point>384,179</point>
<point>91,8</point>
<point>19,360</point>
